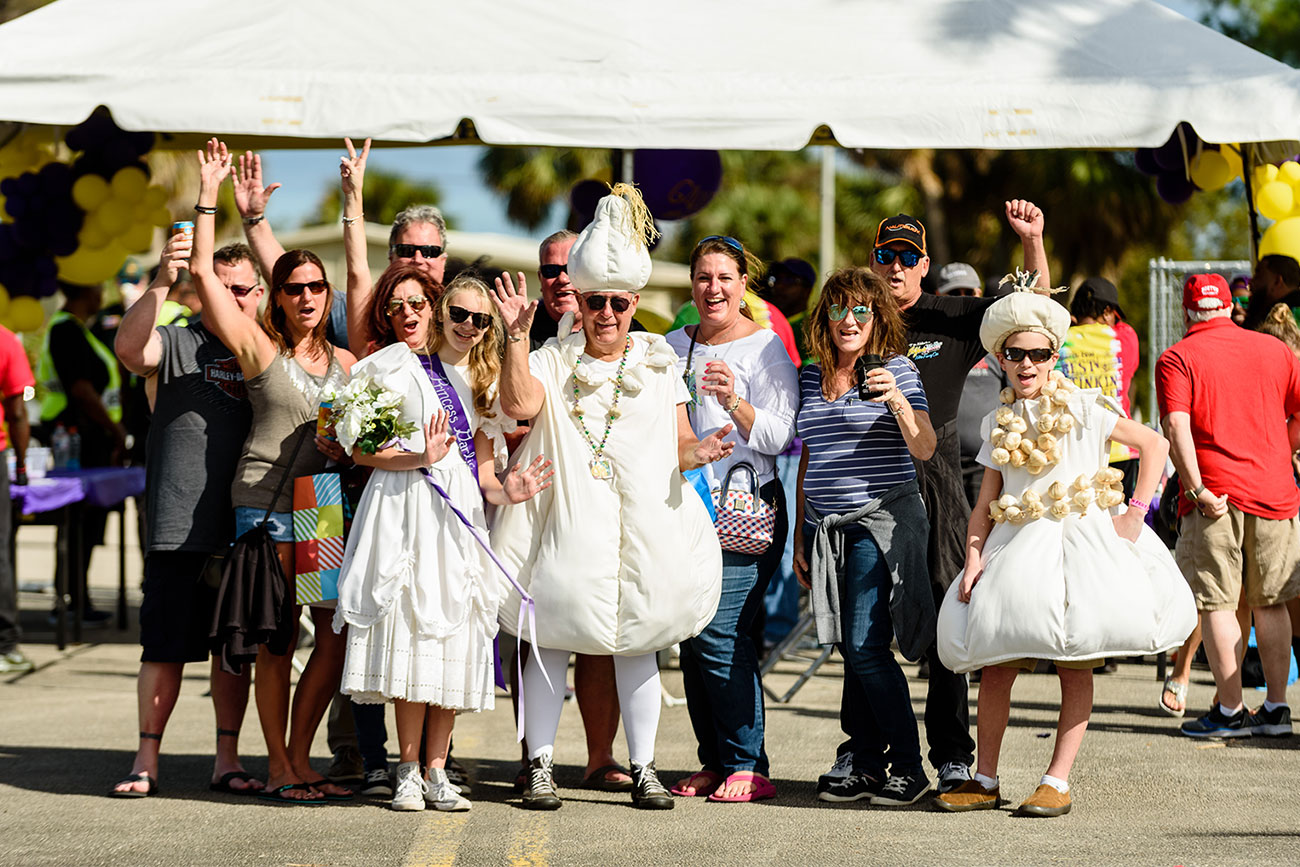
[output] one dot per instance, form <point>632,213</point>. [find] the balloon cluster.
<point>1277,196</point>
<point>74,221</point>
<point>1185,164</point>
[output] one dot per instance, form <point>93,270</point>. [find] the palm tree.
<point>532,179</point>
<point>386,194</point>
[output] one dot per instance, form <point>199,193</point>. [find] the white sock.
<point>1060,785</point>
<point>637,680</point>
<point>989,783</point>
<point>1225,711</point>
<point>1271,706</point>
<point>543,703</point>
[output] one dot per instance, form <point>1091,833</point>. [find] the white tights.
<point>637,678</point>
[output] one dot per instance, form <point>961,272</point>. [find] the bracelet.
<point>254,220</point>
<point>348,221</point>
<point>896,410</point>
<point>1195,495</point>
<point>202,209</point>
<point>735,405</point>
<point>512,338</point>
<point>1135,503</point>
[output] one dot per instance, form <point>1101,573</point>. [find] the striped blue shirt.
<point>856,450</point>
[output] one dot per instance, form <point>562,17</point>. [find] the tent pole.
<point>826,262</point>
<point>1247,168</point>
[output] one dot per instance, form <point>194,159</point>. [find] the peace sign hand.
<point>352,169</point>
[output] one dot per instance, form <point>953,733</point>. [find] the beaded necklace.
<point>601,468</point>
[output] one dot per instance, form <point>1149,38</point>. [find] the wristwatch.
<point>1194,495</point>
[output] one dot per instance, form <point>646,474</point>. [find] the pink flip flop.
<point>763,788</point>
<point>712,781</point>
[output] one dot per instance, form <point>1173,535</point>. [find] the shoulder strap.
<point>284,477</point>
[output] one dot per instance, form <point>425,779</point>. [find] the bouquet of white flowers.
<point>367,415</point>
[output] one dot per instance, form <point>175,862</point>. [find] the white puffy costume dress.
<point>620,566</point>
<point>1059,583</point>
<point>418,593</point>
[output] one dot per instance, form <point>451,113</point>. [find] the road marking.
<point>437,840</point>
<point>530,846</point>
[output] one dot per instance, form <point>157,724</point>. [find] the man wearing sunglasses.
<point>944,343</point>
<point>558,295</point>
<point>419,237</point>
<point>201,418</point>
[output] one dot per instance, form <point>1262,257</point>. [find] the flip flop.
<point>763,788</point>
<point>223,784</point>
<point>598,779</point>
<point>316,784</point>
<point>132,793</point>
<point>1179,691</point>
<point>711,783</point>
<point>277,796</point>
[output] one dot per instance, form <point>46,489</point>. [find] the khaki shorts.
<point>1216,555</point>
<point>1025,663</point>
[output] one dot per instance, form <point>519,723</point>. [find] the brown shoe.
<point>1045,801</point>
<point>970,795</point>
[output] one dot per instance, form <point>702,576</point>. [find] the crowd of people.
<point>952,473</point>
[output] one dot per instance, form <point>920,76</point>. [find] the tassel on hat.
<point>612,254</point>
<point>1024,309</point>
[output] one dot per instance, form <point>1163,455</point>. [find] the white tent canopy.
<point>730,74</point>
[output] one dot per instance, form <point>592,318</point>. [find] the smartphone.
<point>867,363</point>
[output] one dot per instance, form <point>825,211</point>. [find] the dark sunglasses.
<point>596,303</point>
<point>408,251</point>
<point>416,303</point>
<point>1015,354</point>
<point>460,314</point>
<point>726,239</point>
<point>861,312</point>
<point>1242,301</point>
<point>293,290</point>
<point>886,256</point>
<point>550,272</point>
<point>240,291</point>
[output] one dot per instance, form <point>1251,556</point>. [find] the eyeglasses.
<point>293,290</point>
<point>415,302</point>
<point>460,314</point>
<point>886,256</point>
<point>408,251</point>
<point>240,291</point>
<point>550,272</point>
<point>1242,301</point>
<point>1015,354</point>
<point>861,312</point>
<point>726,239</point>
<point>596,303</point>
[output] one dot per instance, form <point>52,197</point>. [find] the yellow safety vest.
<point>56,400</point>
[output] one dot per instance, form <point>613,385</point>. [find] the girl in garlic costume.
<point>619,554</point>
<point>1056,568</point>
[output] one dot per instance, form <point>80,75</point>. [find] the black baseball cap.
<point>904,228</point>
<point>797,268</point>
<point>1104,291</point>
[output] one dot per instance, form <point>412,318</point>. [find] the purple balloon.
<point>1174,187</point>
<point>677,183</point>
<point>1145,161</point>
<point>583,199</point>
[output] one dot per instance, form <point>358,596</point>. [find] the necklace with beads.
<point>600,466</point>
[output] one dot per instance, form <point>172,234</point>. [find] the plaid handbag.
<point>744,521</point>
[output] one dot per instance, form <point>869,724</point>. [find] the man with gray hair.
<point>419,237</point>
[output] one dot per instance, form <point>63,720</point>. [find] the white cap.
<point>611,254</point>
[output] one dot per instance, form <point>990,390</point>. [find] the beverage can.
<point>324,420</point>
<point>184,226</point>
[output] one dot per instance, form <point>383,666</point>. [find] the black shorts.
<point>176,614</point>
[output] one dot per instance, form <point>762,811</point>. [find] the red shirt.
<point>15,373</point>
<point>1239,387</point>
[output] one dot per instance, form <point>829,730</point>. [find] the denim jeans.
<point>782,598</point>
<point>876,707</point>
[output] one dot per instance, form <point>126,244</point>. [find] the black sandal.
<point>133,793</point>
<point>277,796</point>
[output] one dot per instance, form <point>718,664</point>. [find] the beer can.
<point>184,226</point>
<point>324,422</point>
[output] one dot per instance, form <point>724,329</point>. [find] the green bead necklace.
<point>601,468</point>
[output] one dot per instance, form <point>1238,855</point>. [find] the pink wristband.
<point>1135,503</point>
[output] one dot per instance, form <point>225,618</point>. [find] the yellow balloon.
<point>138,238</point>
<point>88,267</point>
<point>25,314</point>
<point>1275,200</point>
<point>1210,170</point>
<point>1289,173</point>
<point>1234,159</point>
<point>161,217</point>
<point>91,237</point>
<point>89,192</point>
<point>155,196</point>
<point>1282,237</point>
<point>129,184</point>
<point>4,301</point>
<point>114,217</point>
<point>1265,174</point>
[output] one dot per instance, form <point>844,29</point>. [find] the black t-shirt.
<point>1259,309</point>
<point>943,341</point>
<point>75,360</point>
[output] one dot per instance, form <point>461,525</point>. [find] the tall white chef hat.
<point>612,254</point>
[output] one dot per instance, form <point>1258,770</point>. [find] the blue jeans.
<point>884,721</point>
<point>782,599</point>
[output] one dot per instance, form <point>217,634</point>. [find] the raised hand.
<point>516,310</point>
<point>250,196</point>
<point>719,381</point>
<point>352,169</point>
<point>437,438</point>
<point>1025,218</point>
<point>528,483</point>
<point>214,166</point>
<point>175,256</point>
<point>712,447</point>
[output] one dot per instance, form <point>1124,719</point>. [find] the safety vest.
<point>56,400</point>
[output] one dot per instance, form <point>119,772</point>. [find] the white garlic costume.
<point>1058,582</point>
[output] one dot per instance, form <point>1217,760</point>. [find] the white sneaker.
<point>952,775</point>
<point>411,788</point>
<point>839,772</point>
<point>441,794</point>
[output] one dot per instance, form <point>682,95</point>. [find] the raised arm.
<point>221,314</point>
<point>138,344</point>
<point>352,173</point>
<point>251,199</point>
<point>522,394</point>
<point>1026,220</point>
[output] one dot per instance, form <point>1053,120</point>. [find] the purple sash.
<point>450,402</point>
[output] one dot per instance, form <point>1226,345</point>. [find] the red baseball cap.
<point>1205,292</point>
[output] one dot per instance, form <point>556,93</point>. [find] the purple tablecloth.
<point>106,486</point>
<point>48,494</point>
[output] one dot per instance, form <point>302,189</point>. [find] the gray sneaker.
<point>1275,723</point>
<point>952,775</point>
<point>541,794</point>
<point>377,784</point>
<point>15,662</point>
<point>440,794</point>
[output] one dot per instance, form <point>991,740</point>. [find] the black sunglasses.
<point>596,303</point>
<point>408,251</point>
<point>293,290</point>
<point>726,239</point>
<point>240,291</point>
<point>550,272</point>
<point>460,314</point>
<point>886,256</point>
<point>1015,354</point>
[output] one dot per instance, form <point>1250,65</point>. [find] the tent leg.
<point>826,256</point>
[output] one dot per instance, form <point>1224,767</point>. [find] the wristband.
<point>203,209</point>
<point>512,338</point>
<point>735,404</point>
<point>348,221</point>
<point>1194,496</point>
<point>1135,503</point>
<point>254,220</point>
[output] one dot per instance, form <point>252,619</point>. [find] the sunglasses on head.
<point>596,303</point>
<point>886,256</point>
<point>415,302</point>
<point>1015,354</point>
<point>293,290</point>
<point>240,291</point>
<point>726,239</point>
<point>550,272</point>
<point>408,251</point>
<point>861,312</point>
<point>460,314</point>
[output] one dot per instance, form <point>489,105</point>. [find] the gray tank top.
<point>285,399</point>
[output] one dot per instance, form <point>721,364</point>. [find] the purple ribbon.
<point>450,402</point>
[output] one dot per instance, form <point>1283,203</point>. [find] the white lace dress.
<point>417,592</point>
